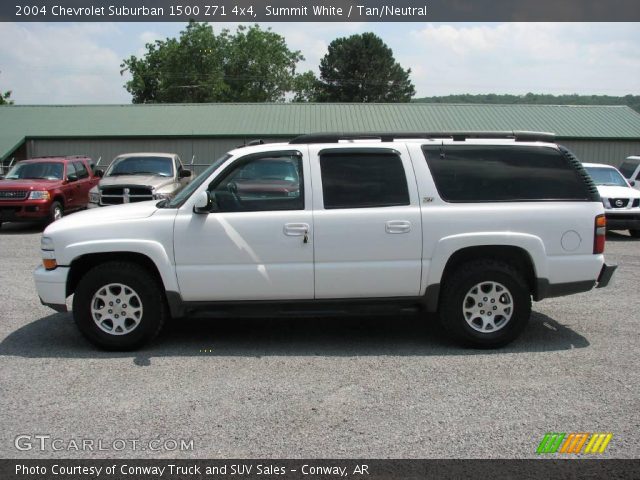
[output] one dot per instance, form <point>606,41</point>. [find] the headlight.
<point>94,197</point>
<point>162,196</point>
<point>46,243</point>
<point>39,195</point>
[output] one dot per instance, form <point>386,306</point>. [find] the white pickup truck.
<point>471,226</point>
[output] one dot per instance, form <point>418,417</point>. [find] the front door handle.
<point>296,229</point>
<point>397,226</point>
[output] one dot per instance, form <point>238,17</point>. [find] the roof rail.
<point>519,136</point>
<point>251,143</point>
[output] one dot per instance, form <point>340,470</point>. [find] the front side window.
<point>478,173</point>
<point>363,179</point>
<point>36,171</point>
<point>71,171</point>
<point>272,182</point>
<point>151,165</point>
<point>81,170</point>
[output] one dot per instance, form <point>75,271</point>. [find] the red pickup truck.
<point>46,188</point>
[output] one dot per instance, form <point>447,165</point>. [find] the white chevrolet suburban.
<point>471,226</point>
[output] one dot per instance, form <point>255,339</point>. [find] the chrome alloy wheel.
<point>116,309</point>
<point>488,307</point>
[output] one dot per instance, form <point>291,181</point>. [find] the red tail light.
<point>600,234</point>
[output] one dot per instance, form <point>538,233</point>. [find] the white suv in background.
<point>621,202</point>
<point>630,169</point>
<point>471,226</point>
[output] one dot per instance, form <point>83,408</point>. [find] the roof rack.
<point>251,143</point>
<point>518,136</point>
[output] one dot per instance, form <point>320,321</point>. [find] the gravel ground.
<point>379,388</point>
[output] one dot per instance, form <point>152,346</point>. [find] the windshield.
<point>40,171</point>
<point>628,167</point>
<point>606,176</point>
<point>193,186</point>
<point>162,166</point>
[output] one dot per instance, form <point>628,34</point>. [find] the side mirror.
<point>184,174</point>
<point>205,203</point>
<point>632,183</point>
<point>99,173</point>
<point>72,178</point>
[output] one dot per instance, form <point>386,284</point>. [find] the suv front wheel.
<point>119,306</point>
<point>485,303</point>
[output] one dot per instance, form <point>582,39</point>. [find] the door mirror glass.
<point>72,177</point>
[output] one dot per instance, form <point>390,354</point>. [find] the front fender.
<point>154,250</point>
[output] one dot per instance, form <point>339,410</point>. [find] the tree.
<point>361,68</point>
<point>5,98</point>
<point>305,87</point>
<point>252,65</point>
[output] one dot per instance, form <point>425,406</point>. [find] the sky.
<point>79,63</point>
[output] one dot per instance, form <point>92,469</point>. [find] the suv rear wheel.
<point>485,303</point>
<point>119,306</point>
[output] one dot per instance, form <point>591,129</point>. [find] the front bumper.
<point>25,210</point>
<point>52,287</point>
<point>623,221</point>
<point>606,272</point>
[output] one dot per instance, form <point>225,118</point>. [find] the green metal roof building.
<point>604,134</point>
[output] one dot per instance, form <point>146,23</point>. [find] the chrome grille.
<point>124,194</point>
<point>13,194</point>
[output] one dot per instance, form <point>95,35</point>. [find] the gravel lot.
<point>377,388</point>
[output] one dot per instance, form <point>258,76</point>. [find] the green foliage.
<point>361,68</point>
<point>632,101</point>
<point>5,98</point>
<point>305,87</point>
<point>252,65</point>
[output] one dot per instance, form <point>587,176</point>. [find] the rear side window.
<point>628,167</point>
<point>362,179</point>
<point>504,174</point>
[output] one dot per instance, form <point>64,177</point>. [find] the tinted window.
<point>509,173</point>
<point>81,170</point>
<point>264,183</point>
<point>355,179</point>
<point>628,167</point>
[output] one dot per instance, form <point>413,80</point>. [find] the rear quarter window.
<point>477,173</point>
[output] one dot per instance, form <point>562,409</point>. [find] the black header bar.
<point>249,11</point>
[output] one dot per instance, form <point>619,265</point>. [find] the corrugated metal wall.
<point>208,149</point>
<point>205,150</point>
<point>609,152</point>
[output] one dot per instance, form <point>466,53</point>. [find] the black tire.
<point>634,233</point>
<point>53,215</point>
<point>151,299</point>
<point>461,282</point>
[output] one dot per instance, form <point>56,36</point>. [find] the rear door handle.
<point>397,226</point>
<point>296,229</point>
